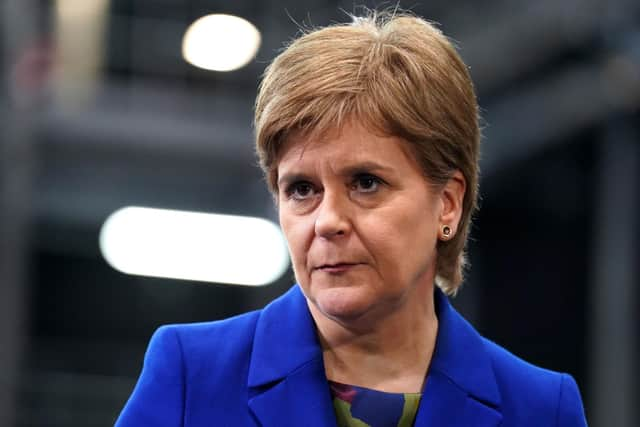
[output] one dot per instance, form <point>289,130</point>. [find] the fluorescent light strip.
<point>194,246</point>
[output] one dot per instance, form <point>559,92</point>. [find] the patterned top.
<point>362,407</point>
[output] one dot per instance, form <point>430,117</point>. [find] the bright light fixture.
<point>194,246</point>
<point>220,42</point>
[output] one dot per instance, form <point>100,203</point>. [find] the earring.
<point>446,232</point>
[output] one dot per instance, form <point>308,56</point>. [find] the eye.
<point>366,183</point>
<point>301,190</point>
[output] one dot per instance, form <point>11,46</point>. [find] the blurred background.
<point>100,109</point>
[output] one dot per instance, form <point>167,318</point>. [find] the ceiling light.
<point>220,42</point>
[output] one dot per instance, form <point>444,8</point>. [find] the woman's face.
<point>361,222</point>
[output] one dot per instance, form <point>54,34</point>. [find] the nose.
<point>333,218</point>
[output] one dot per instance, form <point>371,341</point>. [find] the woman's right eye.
<point>300,190</point>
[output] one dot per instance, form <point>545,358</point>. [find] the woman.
<point>368,135</point>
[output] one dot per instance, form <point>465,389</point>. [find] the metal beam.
<point>17,28</point>
<point>614,328</point>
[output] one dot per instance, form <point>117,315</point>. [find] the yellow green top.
<point>362,407</point>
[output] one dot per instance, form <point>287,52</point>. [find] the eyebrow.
<point>363,167</point>
<point>354,169</point>
<point>289,178</point>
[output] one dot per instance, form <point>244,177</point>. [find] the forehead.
<point>351,143</point>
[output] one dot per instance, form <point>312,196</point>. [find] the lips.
<point>335,268</point>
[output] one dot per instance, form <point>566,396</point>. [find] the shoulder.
<point>525,395</point>
<point>514,372</point>
<point>218,343</point>
<point>211,351</point>
<point>528,391</point>
<point>190,366</point>
<point>202,336</point>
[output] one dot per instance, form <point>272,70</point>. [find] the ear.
<point>452,196</point>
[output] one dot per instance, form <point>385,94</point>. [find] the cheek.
<point>402,241</point>
<point>296,232</point>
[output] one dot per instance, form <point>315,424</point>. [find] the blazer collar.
<point>286,367</point>
<point>285,339</point>
<point>287,382</point>
<point>460,354</point>
<point>461,388</point>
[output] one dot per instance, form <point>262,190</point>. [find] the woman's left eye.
<point>366,183</point>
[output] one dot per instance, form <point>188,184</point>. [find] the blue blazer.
<point>265,368</point>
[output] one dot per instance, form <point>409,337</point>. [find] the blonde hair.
<point>397,75</point>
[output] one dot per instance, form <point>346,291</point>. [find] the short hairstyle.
<point>396,74</point>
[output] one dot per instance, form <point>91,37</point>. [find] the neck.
<point>392,354</point>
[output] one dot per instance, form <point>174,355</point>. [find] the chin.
<point>342,304</point>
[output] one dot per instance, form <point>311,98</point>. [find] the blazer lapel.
<point>460,389</point>
<point>300,399</point>
<point>287,382</point>
<point>444,403</point>
<point>288,386</point>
